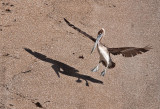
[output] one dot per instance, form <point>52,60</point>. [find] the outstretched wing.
<point>129,51</point>
<point>125,51</point>
<point>79,30</point>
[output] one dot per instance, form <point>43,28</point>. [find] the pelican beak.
<point>97,41</point>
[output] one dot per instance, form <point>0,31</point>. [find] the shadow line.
<point>63,68</point>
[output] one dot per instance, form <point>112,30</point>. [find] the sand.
<point>44,63</point>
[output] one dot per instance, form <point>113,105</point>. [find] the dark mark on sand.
<point>47,101</point>
<point>11,104</point>
<point>8,10</point>
<point>6,54</point>
<point>81,57</point>
<point>26,71</point>
<point>38,104</point>
<point>114,5</point>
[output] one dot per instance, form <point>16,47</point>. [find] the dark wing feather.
<point>128,51</point>
<point>79,30</point>
<point>125,51</point>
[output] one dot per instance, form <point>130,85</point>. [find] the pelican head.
<point>99,37</point>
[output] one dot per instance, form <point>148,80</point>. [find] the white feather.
<point>104,55</point>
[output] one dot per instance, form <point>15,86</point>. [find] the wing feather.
<point>129,51</point>
<point>125,51</point>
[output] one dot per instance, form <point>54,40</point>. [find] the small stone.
<point>8,10</point>
<point>81,57</point>
<point>26,71</point>
<point>38,105</point>
<point>114,5</point>
<point>11,104</point>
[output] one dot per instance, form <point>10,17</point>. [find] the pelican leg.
<point>103,72</point>
<point>96,68</point>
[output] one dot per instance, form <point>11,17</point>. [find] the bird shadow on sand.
<point>63,68</point>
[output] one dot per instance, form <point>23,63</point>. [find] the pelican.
<point>105,58</point>
<point>105,51</point>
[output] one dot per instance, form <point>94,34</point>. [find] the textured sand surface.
<point>53,71</point>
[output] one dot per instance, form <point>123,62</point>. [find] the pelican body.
<point>104,54</point>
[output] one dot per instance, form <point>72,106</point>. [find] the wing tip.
<point>148,47</point>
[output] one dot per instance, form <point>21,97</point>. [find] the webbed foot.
<point>103,72</point>
<point>95,69</point>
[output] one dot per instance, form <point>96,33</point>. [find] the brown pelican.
<point>105,52</point>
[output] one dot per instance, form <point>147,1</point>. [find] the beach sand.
<point>44,63</point>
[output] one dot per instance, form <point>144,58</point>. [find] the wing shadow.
<point>63,68</point>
